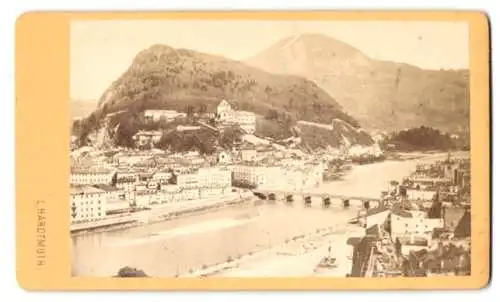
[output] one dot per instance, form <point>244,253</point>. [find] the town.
<point>424,228</point>
<point>418,227</point>
<point>108,185</point>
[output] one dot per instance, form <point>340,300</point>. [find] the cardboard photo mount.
<point>42,162</point>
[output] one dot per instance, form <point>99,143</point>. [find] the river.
<point>189,243</point>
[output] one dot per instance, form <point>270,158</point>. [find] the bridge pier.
<point>326,201</point>
<point>260,195</point>
<point>346,203</point>
<point>324,198</point>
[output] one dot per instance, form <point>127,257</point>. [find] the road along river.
<point>200,240</point>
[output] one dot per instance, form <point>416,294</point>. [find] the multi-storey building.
<point>87,203</point>
<point>214,177</point>
<point>245,119</point>
<point>145,198</point>
<point>282,177</point>
<point>146,138</point>
<point>413,224</point>
<point>81,176</point>
<point>162,115</point>
<point>162,176</point>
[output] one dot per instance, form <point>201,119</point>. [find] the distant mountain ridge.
<point>164,77</point>
<point>379,94</point>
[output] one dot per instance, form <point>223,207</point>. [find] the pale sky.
<point>100,51</point>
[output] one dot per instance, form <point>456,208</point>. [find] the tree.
<point>202,109</point>
<point>230,135</point>
<point>272,114</point>
<point>130,272</point>
<point>189,111</point>
<point>173,179</point>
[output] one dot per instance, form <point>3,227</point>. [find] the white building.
<point>214,178</point>
<point>81,176</point>
<point>254,176</point>
<point>375,216</point>
<point>182,128</point>
<point>413,225</point>
<point>278,177</point>
<point>248,154</point>
<point>126,184</point>
<point>205,178</point>
<point>158,115</point>
<point>245,119</point>
<point>162,176</point>
<point>224,110</point>
<point>145,198</point>
<point>87,203</point>
<point>423,195</point>
<point>143,138</point>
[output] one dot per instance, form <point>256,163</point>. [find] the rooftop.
<point>81,170</point>
<point>377,210</point>
<point>106,188</point>
<point>75,190</point>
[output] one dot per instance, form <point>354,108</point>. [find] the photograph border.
<point>42,161</point>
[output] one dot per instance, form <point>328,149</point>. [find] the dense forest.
<point>424,138</point>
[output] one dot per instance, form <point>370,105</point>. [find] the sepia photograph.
<point>269,148</point>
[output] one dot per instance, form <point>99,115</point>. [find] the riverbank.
<point>158,214</point>
<point>241,240</point>
<point>297,256</point>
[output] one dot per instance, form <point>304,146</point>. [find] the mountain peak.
<point>306,53</point>
<point>384,95</point>
<point>315,45</point>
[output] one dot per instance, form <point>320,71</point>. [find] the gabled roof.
<point>373,230</point>
<point>463,229</point>
<point>377,210</point>
<point>224,103</point>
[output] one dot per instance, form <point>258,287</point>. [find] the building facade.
<point>159,115</point>
<point>423,195</point>
<point>145,138</point>
<point>414,225</point>
<point>87,203</point>
<point>245,119</point>
<point>92,176</point>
